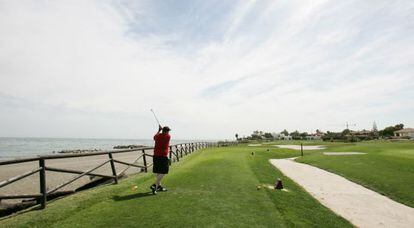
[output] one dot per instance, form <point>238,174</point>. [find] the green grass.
<point>387,168</point>
<point>214,187</point>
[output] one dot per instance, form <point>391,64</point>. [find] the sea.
<point>12,148</point>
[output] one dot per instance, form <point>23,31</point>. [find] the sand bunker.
<point>297,147</point>
<point>254,145</point>
<point>341,153</point>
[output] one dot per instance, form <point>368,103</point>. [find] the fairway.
<point>212,187</point>
<point>387,167</point>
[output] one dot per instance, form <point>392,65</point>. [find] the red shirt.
<point>162,143</point>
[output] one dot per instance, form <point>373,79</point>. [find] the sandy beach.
<point>30,185</point>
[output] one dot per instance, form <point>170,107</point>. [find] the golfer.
<point>160,159</point>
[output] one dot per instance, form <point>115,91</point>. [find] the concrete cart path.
<point>359,205</point>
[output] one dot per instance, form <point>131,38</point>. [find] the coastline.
<point>15,147</point>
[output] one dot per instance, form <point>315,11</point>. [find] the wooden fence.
<point>176,152</point>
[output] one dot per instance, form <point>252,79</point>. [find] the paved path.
<point>359,205</point>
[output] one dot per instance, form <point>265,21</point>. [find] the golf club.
<point>155,117</point>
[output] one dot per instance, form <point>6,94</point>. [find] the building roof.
<point>405,130</point>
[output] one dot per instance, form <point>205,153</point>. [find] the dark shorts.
<point>161,165</point>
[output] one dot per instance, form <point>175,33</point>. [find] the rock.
<point>128,146</point>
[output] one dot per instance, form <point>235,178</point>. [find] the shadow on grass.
<point>132,196</point>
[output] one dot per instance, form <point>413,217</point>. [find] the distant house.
<point>314,137</point>
<point>281,136</point>
<point>276,135</point>
<point>363,132</point>
<point>406,133</point>
<point>285,137</point>
<point>363,135</point>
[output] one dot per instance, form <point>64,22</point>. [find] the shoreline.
<point>12,147</point>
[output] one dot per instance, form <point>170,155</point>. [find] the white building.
<point>276,135</point>
<point>313,137</point>
<point>407,132</point>
<point>285,137</point>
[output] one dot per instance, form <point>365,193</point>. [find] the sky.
<point>209,69</point>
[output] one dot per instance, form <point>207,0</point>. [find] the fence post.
<point>301,149</point>
<point>170,156</point>
<point>176,154</point>
<point>178,151</point>
<point>111,160</point>
<point>144,158</point>
<point>42,176</point>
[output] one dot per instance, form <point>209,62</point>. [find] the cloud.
<point>209,69</point>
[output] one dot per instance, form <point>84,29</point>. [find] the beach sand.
<point>30,185</point>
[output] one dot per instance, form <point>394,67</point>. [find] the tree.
<point>386,132</point>
<point>268,135</point>
<point>374,130</point>
<point>389,131</point>
<point>285,132</point>
<point>399,127</point>
<point>256,137</point>
<point>374,127</point>
<point>346,132</point>
<point>295,134</point>
<point>237,136</point>
<point>304,135</point>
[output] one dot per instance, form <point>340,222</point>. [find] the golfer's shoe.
<point>161,189</point>
<point>152,187</point>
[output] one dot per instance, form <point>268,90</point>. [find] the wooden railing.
<point>176,152</point>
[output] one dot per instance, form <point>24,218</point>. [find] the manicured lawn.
<point>387,168</point>
<point>213,187</point>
